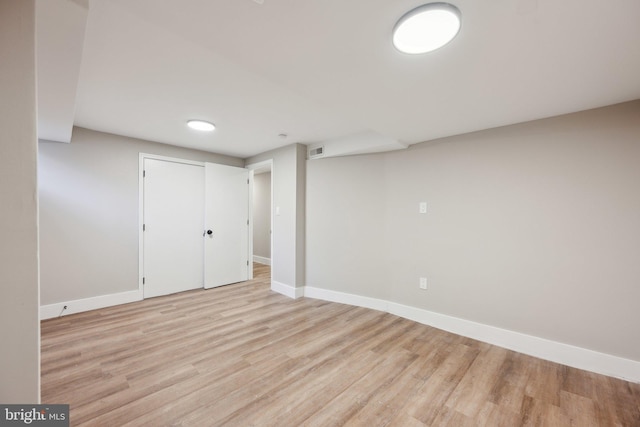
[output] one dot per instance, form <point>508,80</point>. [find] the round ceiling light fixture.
<point>426,28</point>
<point>201,125</point>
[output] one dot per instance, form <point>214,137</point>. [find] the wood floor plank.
<point>579,409</point>
<point>475,387</point>
<point>303,401</point>
<point>391,397</point>
<point>243,355</point>
<point>320,361</point>
<point>404,420</point>
<point>545,381</point>
<point>436,390</point>
<point>493,415</point>
<point>345,407</point>
<point>536,412</point>
<point>509,389</point>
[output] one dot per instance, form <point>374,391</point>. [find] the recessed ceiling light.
<point>201,125</point>
<point>426,28</point>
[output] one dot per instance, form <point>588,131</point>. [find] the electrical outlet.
<point>423,283</point>
<point>423,207</point>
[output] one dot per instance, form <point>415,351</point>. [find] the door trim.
<point>141,158</point>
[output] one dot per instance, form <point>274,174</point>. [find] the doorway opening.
<point>262,213</point>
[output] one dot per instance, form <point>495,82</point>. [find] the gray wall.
<point>19,319</point>
<point>289,169</point>
<point>89,212</point>
<point>532,228</point>
<point>346,225</point>
<point>262,215</point>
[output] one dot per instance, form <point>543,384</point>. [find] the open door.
<point>226,240</point>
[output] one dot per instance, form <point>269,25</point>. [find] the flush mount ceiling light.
<point>426,28</point>
<point>201,125</point>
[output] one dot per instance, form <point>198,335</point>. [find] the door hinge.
<point>247,180</point>
<point>247,263</point>
<point>247,222</point>
<point>144,174</point>
<point>144,227</point>
<point>143,280</point>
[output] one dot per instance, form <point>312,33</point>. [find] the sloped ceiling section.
<point>322,71</point>
<point>360,143</point>
<point>60,28</point>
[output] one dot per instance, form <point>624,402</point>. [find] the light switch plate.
<point>423,283</point>
<point>423,207</point>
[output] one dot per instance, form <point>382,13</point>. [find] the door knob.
<point>209,232</point>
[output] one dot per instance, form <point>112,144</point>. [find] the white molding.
<point>344,298</point>
<point>565,354</point>
<point>261,260</point>
<point>287,290</point>
<point>170,159</point>
<point>141,157</point>
<point>260,165</point>
<point>80,305</point>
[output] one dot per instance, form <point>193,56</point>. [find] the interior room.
<point>268,212</point>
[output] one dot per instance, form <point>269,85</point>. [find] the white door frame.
<point>253,167</point>
<point>141,158</point>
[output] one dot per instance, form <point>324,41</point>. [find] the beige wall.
<point>532,228</point>
<point>89,212</point>
<point>346,225</point>
<point>19,319</point>
<point>262,215</point>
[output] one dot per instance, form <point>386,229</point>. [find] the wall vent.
<point>316,152</point>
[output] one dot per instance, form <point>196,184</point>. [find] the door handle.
<point>209,232</point>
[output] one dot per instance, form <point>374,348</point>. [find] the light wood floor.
<point>242,355</point>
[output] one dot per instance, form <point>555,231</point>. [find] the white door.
<point>173,217</point>
<point>226,245</point>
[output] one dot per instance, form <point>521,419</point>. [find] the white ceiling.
<point>321,70</point>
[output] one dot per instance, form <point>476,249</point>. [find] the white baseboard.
<point>565,354</point>
<point>77,306</point>
<point>287,290</point>
<point>261,260</point>
<point>344,298</point>
<point>542,348</point>
<point>554,351</point>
